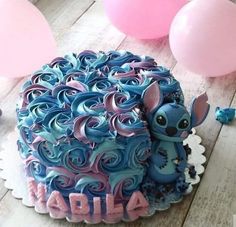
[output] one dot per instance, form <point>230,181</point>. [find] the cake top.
<point>102,88</point>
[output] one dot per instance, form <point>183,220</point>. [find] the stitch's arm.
<point>182,159</point>
<point>159,158</point>
<point>159,155</point>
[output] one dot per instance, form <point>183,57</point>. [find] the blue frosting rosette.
<point>92,185</point>
<point>67,64</point>
<point>35,169</point>
<point>88,103</point>
<point>59,179</point>
<point>47,77</point>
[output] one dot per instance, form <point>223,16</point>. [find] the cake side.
<point>83,125</point>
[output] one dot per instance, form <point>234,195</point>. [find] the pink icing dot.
<point>83,208</point>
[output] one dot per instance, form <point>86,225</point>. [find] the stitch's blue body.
<point>166,168</point>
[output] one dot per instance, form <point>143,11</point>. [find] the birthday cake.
<point>103,133</point>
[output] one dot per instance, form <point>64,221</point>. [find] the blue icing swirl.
<point>66,94</point>
<point>24,150</point>
<point>67,64</point>
<point>78,75</point>
<point>32,92</point>
<point>117,72</point>
<point>48,153</point>
<point>39,107</point>
<point>90,59</point>
<point>35,169</point>
<point>75,157</point>
<point>86,58</point>
<point>85,77</point>
<point>102,85</point>
<point>58,179</point>
<point>56,124</point>
<point>128,80</point>
<point>90,129</point>
<point>88,103</point>
<point>93,185</point>
<point>158,72</point>
<point>124,183</point>
<point>119,102</point>
<point>138,150</point>
<point>134,84</point>
<point>72,154</point>
<point>47,77</point>
<point>109,157</point>
<point>101,60</point>
<point>26,135</point>
<point>23,118</point>
<point>128,124</point>
<point>118,58</point>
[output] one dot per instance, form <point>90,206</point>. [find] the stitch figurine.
<point>168,160</point>
<point>226,115</point>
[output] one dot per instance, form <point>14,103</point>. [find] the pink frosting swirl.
<point>32,92</point>
<point>128,124</point>
<point>66,94</point>
<point>90,129</point>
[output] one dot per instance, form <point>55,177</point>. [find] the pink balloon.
<point>143,19</point>
<point>203,37</point>
<point>26,41</point>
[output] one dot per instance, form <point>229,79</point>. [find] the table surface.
<point>81,24</point>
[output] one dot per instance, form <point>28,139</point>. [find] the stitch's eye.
<point>161,120</point>
<point>183,124</point>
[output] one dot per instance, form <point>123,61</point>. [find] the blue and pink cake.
<point>103,133</point>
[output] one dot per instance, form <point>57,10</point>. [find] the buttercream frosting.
<point>81,123</point>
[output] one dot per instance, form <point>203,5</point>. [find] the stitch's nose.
<point>171,131</point>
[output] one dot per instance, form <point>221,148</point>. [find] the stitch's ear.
<point>199,109</point>
<point>152,97</point>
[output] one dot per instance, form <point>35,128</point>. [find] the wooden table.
<point>81,24</point>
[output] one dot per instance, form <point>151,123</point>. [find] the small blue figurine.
<point>226,115</point>
<point>168,160</point>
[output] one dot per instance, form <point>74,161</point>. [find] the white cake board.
<point>12,171</point>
